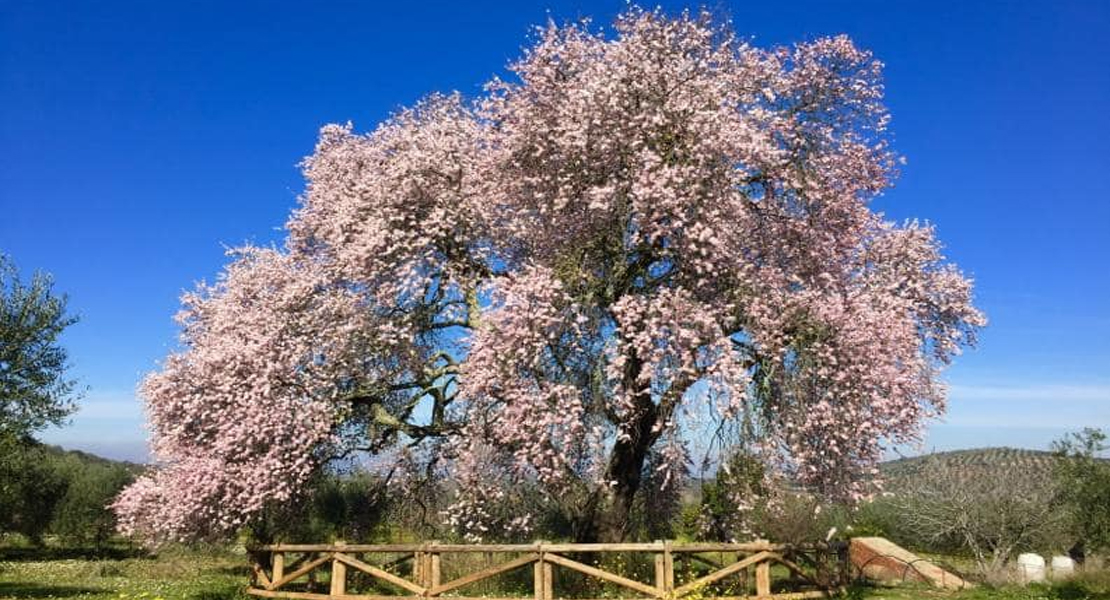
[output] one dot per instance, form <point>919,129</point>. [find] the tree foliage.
<point>731,502</point>
<point>352,505</point>
<point>47,490</point>
<point>34,389</point>
<point>82,515</point>
<point>34,393</point>
<point>988,510</point>
<point>1083,476</point>
<point>639,237</point>
<point>30,488</point>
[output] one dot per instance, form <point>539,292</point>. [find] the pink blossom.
<point>635,240</point>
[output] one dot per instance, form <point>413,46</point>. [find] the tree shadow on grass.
<point>1071,590</point>
<point>46,553</point>
<point>35,590</point>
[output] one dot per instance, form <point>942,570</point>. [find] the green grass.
<point>1093,585</point>
<point>118,574</point>
<point>1077,589</point>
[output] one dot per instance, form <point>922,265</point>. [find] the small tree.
<point>1084,483</point>
<point>732,501</point>
<point>992,513</point>
<point>31,486</point>
<point>34,393</point>
<point>34,389</point>
<point>82,515</point>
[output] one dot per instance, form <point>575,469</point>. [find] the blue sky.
<point>138,140</point>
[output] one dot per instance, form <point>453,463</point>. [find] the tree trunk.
<point>626,467</point>
<point>608,518</point>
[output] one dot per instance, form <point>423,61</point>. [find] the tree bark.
<point>608,519</point>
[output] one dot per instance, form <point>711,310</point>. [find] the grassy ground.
<point>1079,589</point>
<point>121,573</point>
<point>118,574</point>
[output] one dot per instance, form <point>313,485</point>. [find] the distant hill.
<point>975,466</point>
<point>86,458</point>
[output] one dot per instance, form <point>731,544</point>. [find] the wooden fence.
<point>338,571</point>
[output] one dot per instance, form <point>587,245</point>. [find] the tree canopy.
<point>1083,476</point>
<point>646,246</point>
<point>35,392</point>
<point>34,389</point>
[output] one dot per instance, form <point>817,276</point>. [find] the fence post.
<point>434,566</point>
<point>763,575</point>
<point>338,571</point>
<point>660,569</point>
<point>548,576</point>
<point>668,568</point>
<point>763,579</point>
<point>537,572</point>
<point>277,566</point>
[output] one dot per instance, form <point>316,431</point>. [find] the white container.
<point>1030,567</point>
<point>1062,567</point>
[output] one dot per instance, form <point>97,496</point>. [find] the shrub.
<point>82,515</point>
<point>30,487</point>
<point>1084,483</point>
<point>992,513</point>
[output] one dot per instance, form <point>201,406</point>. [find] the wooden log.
<point>338,572</point>
<point>304,570</point>
<point>763,579</point>
<point>318,596</point>
<point>297,562</point>
<point>660,572</point>
<point>349,548</point>
<point>483,574</point>
<point>499,548</point>
<point>277,565</point>
<point>721,573</point>
<point>668,567</point>
<point>607,576</point>
<point>548,580</point>
<point>758,546</point>
<point>629,547</point>
<point>435,572</point>
<point>794,568</point>
<point>382,574</point>
<point>427,567</point>
<point>537,579</point>
<point>260,575</point>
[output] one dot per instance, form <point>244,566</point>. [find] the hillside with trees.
<point>976,464</point>
<point>63,493</point>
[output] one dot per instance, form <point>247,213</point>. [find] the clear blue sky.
<point>138,140</point>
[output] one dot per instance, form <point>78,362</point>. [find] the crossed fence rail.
<point>758,570</point>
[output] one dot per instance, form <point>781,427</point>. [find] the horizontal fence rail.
<point>748,571</point>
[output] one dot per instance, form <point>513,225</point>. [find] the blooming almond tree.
<point>635,242</point>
